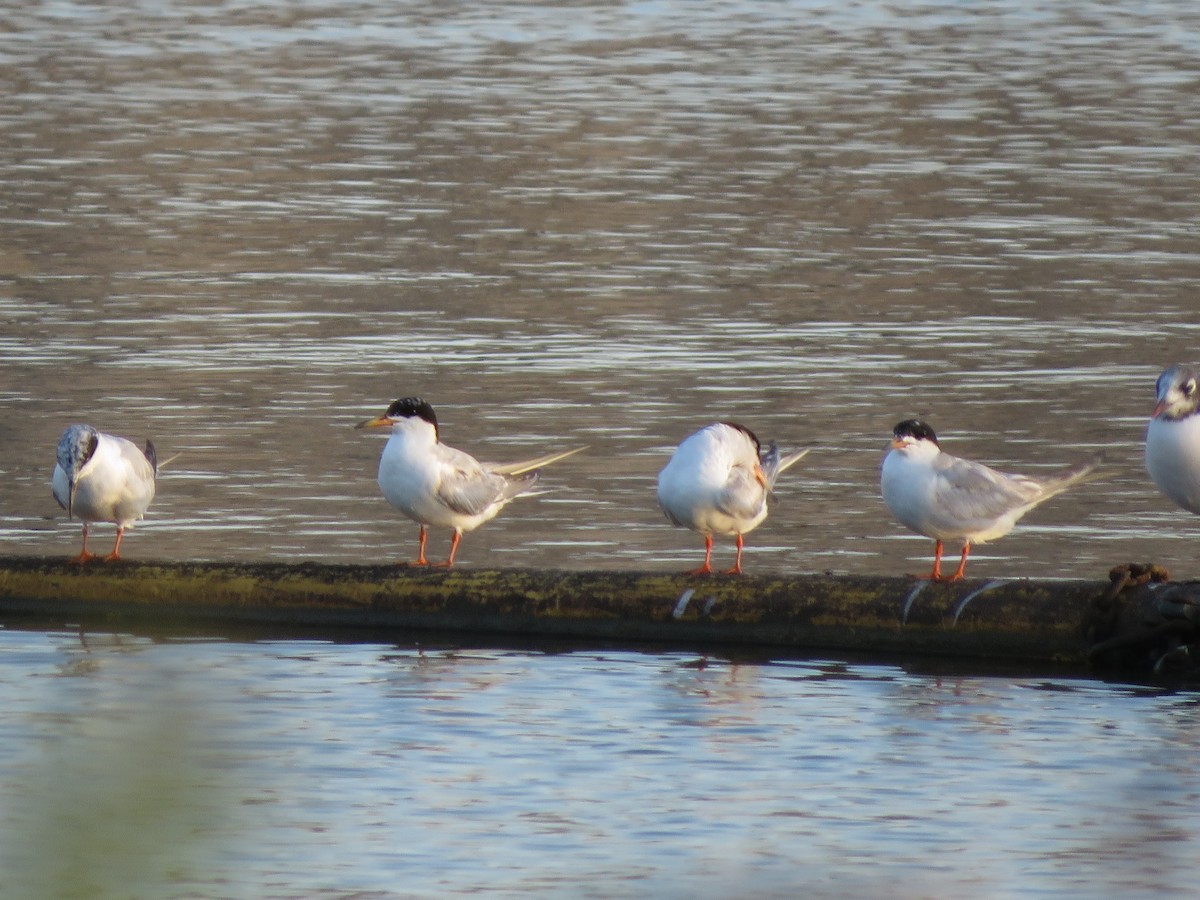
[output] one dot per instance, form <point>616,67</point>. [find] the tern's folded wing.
<point>743,495</point>
<point>470,492</point>
<point>968,492</point>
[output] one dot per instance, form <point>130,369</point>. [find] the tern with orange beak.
<point>951,499</point>
<point>1173,437</point>
<point>717,482</point>
<point>438,486</point>
<point>103,478</point>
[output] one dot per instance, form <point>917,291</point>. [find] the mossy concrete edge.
<point>1011,620</point>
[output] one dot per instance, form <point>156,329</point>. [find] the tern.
<point>103,478</point>
<point>717,482</point>
<point>1173,437</point>
<point>951,499</point>
<point>436,485</point>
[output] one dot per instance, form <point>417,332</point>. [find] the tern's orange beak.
<point>761,477</point>
<point>898,444</point>
<point>377,422</point>
<point>1158,409</point>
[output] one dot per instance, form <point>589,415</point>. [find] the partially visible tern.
<point>1173,437</point>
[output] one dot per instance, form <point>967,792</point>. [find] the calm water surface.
<point>138,766</point>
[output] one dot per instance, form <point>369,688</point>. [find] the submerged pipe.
<point>1013,620</point>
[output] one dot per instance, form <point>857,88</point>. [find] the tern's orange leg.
<point>962,563</point>
<point>705,569</point>
<point>453,549</point>
<point>83,556</point>
<point>421,560</point>
<point>737,562</point>
<point>936,574</point>
<point>116,551</point>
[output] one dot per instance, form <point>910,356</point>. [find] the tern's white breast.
<point>908,485</point>
<point>1173,459</point>
<point>408,475</point>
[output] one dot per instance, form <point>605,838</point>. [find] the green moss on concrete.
<point>1016,620</point>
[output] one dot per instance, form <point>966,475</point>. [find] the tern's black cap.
<point>915,428</point>
<point>407,407</point>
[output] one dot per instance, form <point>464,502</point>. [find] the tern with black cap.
<point>951,499</point>
<point>439,486</point>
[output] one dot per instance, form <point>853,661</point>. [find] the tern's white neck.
<point>415,432</point>
<point>919,451</point>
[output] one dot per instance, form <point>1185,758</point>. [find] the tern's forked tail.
<point>773,465</point>
<point>1077,474</point>
<point>520,468</point>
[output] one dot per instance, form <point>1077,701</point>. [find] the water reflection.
<point>459,768</point>
<point>240,228</point>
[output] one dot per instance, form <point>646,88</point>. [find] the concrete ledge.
<point>1016,620</point>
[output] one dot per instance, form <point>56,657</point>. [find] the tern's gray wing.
<point>470,494</point>
<point>469,488</point>
<point>143,463</point>
<point>970,494</point>
<point>742,496</point>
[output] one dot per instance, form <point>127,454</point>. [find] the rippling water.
<point>241,227</point>
<point>137,766</point>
